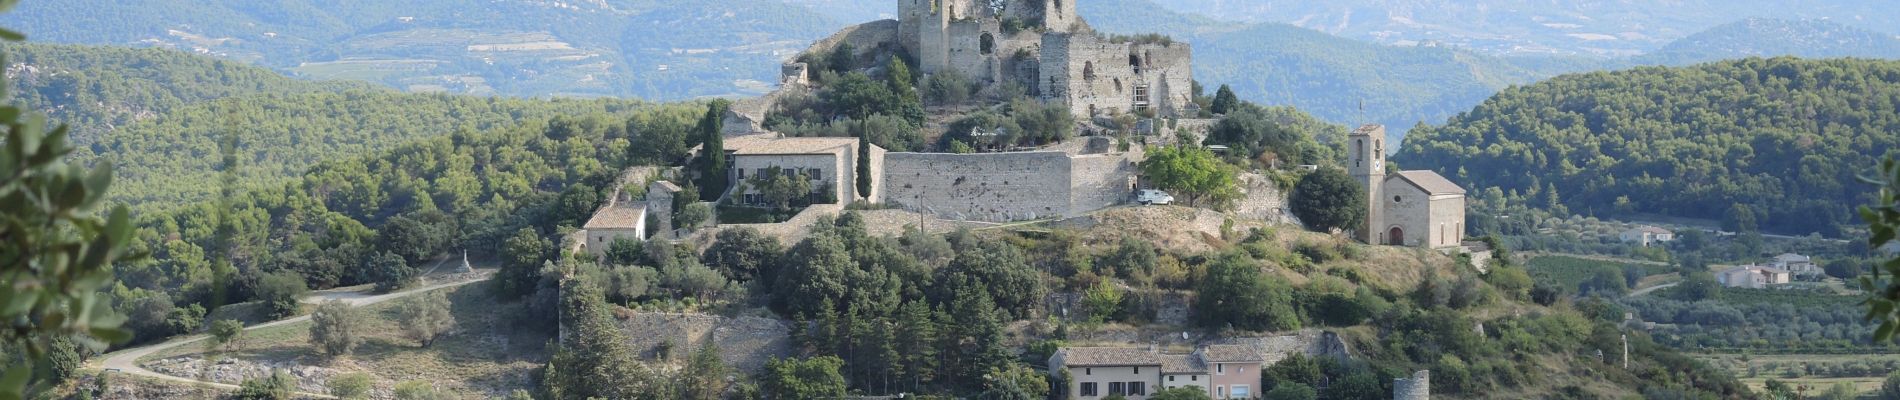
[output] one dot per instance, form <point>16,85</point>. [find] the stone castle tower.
<point>1366,163</point>
<point>940,32</point>
<point>1048,48</point>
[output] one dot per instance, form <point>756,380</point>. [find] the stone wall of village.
<point>1007,186</point>
<point>987,187</point>
<point>745,343</point>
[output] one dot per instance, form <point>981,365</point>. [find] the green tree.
<point>917,338</point>
<point>59,249</point>
<point>1329,199</point>
<point>780,187</point>
<point>224,332</point>
<point>418,390</point>
<point>704,377</point>
<point>597,359</point>
<point>351,386</point>
<point>1103,301</point>
<point>417,236</point>
<point>389,271</point>
<point>281,292</point>
<point>1234,292</point>
<point>277,386</point>
<point>1296,369</point>
<point>1193,172</point>
<point>693,215</point>
<point>743,254</point>
<point>864,165</point>
<point>1291,391</point>
<point>336,328</point>
<point>426,317</point>
<point>521,258</point>
<point>1361,385</point>
<point>1224,101</point>
<point>1015,382</point>
<point>713,169</point>
<point>811,378</point>
<point>1890,388</point>
<point>625,251</point>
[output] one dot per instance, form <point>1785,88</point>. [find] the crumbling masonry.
<point>1049,49</point>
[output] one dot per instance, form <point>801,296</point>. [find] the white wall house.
<point>1647,235</point>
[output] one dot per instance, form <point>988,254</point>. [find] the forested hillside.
<point>653,49</point>
<point>1766,37</point>
<point>177,158</point>
<point>1777,142</point>
<point>100,88</point>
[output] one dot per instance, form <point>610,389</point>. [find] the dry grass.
<point>484,356</point>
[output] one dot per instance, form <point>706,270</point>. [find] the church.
<point>1405,208</point>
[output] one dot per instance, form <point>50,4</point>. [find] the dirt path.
<point>1648,290</point>
<point>127,361</point>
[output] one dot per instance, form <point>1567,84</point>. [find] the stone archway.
<point>987,43</point>
<point>1396,237</point>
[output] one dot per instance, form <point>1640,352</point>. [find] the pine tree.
<point>1224,100</point>
<point>916,344</point>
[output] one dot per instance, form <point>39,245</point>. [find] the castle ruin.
<point>1046,47</point>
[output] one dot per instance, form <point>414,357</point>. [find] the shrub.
<point>277,386</point>
<point>335,328</point>
<point>350,386</point>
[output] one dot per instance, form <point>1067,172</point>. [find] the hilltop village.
<point>1044,47</point>
<point>969,200</point>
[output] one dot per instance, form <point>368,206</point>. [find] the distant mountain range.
<point>681,49</point>
<point>1520,27</point>
<point>652,49</point>
<point>1763,37</point>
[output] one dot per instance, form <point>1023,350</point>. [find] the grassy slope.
<point>485,353</point>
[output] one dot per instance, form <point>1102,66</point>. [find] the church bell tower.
<point>1366,162</point>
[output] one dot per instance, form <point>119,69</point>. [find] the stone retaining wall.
<point>1007,186</point>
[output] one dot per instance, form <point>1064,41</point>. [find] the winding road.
<point>127,361</point>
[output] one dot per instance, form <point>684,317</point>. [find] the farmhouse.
<point>1647,235</point>
<point>1224,371</point>
<point>1796,264</point>
<point>1752,277</point>
<point>830,163</point>
<point>1407,208</point>
<point>614,222</point>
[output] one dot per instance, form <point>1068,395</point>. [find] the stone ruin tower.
<point>1046,46</point>
<point>1419,387</point>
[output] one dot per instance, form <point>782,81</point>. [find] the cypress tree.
<point>864,160</point>
<point>713,170</point>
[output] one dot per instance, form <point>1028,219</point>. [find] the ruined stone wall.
<point>987,187</point>
<point>1419,387</point>
<point>745,343</point>
<point>1007,186</point>
<point>660,211</point>
<point>1098,77</point>
<point>1168,71</point>
<point>1100,181</point>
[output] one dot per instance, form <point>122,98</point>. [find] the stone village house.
<point>1224,371</point>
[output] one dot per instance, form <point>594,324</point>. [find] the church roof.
<point>1430,182</point>
<point>617,217</point>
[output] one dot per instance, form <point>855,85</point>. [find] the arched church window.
<point>1088,70</point>
<point>1135,62</point>
<point>988,44</point>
